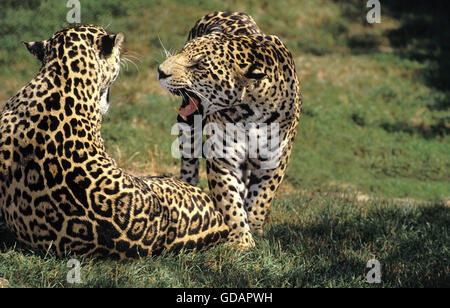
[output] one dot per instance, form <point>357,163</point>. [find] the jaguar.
<point>230,72</point>
<point>60,191</point>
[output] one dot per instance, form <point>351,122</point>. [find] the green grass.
<point>313,240</point>
<point>368,177</point>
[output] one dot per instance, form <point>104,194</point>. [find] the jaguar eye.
<point>196,66</point>
<point>197,62</point>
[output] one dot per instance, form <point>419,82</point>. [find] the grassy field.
<point>369,175</point>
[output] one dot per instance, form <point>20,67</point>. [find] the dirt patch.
<point>3,283</point>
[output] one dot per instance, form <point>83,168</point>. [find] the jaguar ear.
<point>37,49</point>
<point>119,39</point>
<point>255,72</point>
<point>108,42</point>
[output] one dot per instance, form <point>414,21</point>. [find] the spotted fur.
<point>240,75</point>
<point>60,190</point>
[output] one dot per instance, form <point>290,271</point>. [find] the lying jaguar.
<point>230,72</point>
<point>60,190</point>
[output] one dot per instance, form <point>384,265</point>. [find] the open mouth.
<point>191,103</point>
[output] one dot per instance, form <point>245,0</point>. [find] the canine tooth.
<point>178,110</point>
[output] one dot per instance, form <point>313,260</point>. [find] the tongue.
<point>189,109</point>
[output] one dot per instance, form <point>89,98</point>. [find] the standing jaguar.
<point>59,189</point>
<point>230,72</point>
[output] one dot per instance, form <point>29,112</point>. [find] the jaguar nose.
<point>162,75</point>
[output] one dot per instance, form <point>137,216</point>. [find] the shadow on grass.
<point>426,130</point>
<point>321,245</point>
<point>423,36</point>
<point>411,244</point>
